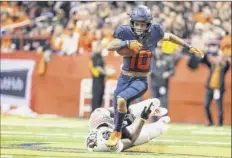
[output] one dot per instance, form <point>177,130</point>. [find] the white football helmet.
<point>96,140</point>
<point>100,117</point>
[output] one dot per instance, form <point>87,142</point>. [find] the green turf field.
<point>59,137</point>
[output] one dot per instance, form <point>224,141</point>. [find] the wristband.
<point>124,43</point>
<point>188,46</point>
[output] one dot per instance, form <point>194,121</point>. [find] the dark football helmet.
<point>141,14</point>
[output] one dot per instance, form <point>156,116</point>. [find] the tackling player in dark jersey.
<point>141,37</point>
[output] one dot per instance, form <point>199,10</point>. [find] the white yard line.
<point>15,132</point>
<point>215,143</point>
<point>193,127</point>
<point>6,156</point>
<point>186,141</point>
<point>211,133</point>
<point>64,125</point>
<point>42,134</point>
<point>83,135</point>
<point>174,127</point>
<point>191,136</point>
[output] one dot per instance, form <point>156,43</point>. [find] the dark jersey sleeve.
<point>157,31</point>
<point>118,33</point>
<point>161,31</point>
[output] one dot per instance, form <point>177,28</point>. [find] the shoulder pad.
<point>158,29</point>
<point>119,32</point>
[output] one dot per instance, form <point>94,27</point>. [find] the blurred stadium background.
<point>46,80</point>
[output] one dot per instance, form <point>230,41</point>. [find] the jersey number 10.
<point>142,59</point>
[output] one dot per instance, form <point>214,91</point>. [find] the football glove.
<point>146,112</point>
<point>135,46</point>
<point>196,51</point>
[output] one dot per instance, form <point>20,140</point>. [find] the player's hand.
<point>146,112</point>
<point>135,46</point>
<point>196,51</point>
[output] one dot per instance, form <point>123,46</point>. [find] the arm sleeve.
<point>160,31</point>
<point>151,131</point>
<point>118,33</point>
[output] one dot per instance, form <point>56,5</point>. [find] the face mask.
<point>140,27</point>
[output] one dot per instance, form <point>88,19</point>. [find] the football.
<point>126,52</point>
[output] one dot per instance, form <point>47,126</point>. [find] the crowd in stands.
<point>69,28</point>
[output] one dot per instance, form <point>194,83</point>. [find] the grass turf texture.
<point>65,137</point>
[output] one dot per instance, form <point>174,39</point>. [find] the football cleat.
<point>114,139</point>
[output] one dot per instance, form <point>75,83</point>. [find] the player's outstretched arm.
<point>137,109</point>
<point>117,44</point>
<point>177,40</point>
<point>136,127</point>
<point>134,130</point>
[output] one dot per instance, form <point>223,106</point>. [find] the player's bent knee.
<point>121,104</point>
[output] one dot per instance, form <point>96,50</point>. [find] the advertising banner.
<point>16,79</point>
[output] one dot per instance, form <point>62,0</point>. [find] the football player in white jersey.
<point>134,132</point>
